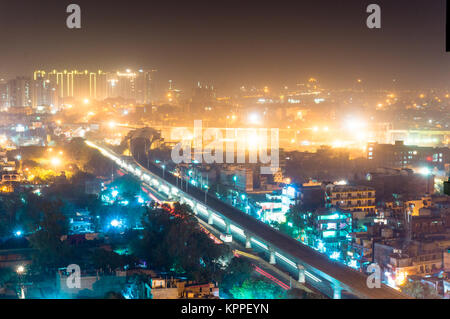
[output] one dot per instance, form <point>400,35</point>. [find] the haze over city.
<point>224,150</point>
<point>233,43</point>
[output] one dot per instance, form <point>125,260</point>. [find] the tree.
<point>237,271</point>
<point>254,288</point>
<point>109,260</point>
<point>50,251</point>
<point>296,215</point>
<point>419,290</point>
<point>7,276</point>
<point>174,242</point>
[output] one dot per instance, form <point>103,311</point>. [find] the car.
<point>226,238</point>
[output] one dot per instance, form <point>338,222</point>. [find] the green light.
<point>329,233</point>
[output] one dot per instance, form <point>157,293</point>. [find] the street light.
<point>115,223</point>
<point>56,161</point>
<point>20,269</point>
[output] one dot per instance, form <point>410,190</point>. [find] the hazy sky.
<point>232,43</point>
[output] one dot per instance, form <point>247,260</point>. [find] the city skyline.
<point>235,44</point>
<point>224,150</point>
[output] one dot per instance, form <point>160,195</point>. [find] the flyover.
<point>309,266</point>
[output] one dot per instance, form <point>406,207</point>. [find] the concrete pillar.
<point>272,261</point>
<point>228,228</point>
<point>337,292</point>
<point>210,218</point>
<point>248,242</point>
<point>301,274</point>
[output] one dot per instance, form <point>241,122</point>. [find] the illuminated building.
<point>81,222</point>
<point>6,188</point>
<point>290,196</point>
<point>145,86</point>
<point>413,207</point>
<point>271,207</point>
<point>137,86</point>
<point>173,95</point>
<point>399,155</point>
<point>75,84</point>
<point>44,92</point>
<point>350,198</point>
<point>333,226</point>
<point>399,259</point>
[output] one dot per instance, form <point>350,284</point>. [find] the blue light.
<point>18,233</point>
<point>115,223</point>
<point>140,200</point>
<point>353,263</point>
<point>291,191</point>
<point>335,255</point>
<point>114,193</point>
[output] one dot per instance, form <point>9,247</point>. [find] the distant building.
<point>400,259</point>
<point>399,155</point>
<point>238,177</point>
<point>4,95</point>
<point>290,196</point>
<point>312,195</point>
<point>405,182</point>
<point>55,86</point>
<point>203,98</point>
<point>350,198</point>
<point>81,222</point>
<point>201,291</point>
<point>333,226</point>
<point>13,258</point>
<point>270,207</point>
<point>20,92</point>
<point>132,85</point>
<point>44,92</point>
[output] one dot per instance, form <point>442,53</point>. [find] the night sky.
<point>233,43</point>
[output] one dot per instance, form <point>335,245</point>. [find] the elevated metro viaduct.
<point>329,277</point>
